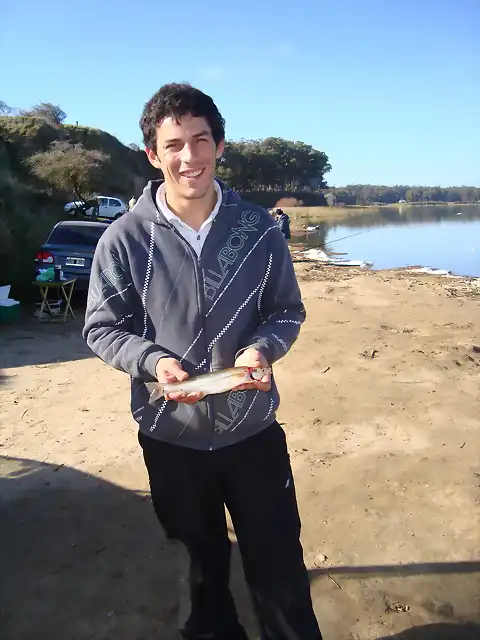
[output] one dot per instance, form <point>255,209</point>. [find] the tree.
<point>273,164</point>
<point>134,147</point>
<point>5,110</point>
<point>52,113</point>
<point>70,167</point>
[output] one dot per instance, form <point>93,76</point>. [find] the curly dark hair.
<point>176,100</point>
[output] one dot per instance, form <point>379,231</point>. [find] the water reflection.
<point>439,237</point>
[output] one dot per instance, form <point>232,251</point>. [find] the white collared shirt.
<point>195,239</point>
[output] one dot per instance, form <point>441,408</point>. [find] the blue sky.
<point>389,89</point>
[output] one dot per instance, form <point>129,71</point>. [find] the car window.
<point>115,203</point>
<point>81,235</point>
<point>103,202</point>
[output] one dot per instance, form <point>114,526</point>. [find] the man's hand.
<point>170,370</point>
<point>253,358</point>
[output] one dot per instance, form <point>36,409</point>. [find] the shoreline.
<point>430,274</point>
<point>415,269</point>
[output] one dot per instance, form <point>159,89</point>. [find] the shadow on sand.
<point>84,559</point>
<point>438,632</point>
<point>40,343</point>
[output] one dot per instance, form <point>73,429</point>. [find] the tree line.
<point>264,170</point>
<point>271,164</point>
<point>365,194</point>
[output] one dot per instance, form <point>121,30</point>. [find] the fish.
<point>209,383</point>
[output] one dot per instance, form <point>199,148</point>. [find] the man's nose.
<point>187,153</point>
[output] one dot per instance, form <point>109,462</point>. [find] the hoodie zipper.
<point>201,304</point>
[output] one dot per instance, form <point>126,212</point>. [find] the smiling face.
<point>187,154</point>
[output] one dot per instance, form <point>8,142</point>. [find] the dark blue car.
<point>71,244</point>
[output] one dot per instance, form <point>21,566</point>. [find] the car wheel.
<point>119,215</point>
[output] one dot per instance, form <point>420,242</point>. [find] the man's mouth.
<point>191,174</point>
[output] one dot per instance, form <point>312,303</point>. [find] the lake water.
<point>435,237</point>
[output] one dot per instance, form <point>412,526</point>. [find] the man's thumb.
<point>175,368</point>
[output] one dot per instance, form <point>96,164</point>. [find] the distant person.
<point>131,203</point>
<point>198,280</point>
<point>283,221</point>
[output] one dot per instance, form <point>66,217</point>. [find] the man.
<point>197,280</point>
<point>283,221</point>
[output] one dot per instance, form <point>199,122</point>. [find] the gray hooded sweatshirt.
<point>150,296</point>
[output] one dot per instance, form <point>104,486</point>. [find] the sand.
<point>380,402</point>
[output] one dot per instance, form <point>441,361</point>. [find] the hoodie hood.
<point>146,206</point>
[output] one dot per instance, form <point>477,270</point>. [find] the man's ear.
<point>220,149</point>
<point>153,158</point>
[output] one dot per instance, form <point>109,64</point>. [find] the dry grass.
<point>302,215</point>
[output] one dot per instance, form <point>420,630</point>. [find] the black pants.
<point>254,480</point>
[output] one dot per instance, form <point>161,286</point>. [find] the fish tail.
<point>157,393</point>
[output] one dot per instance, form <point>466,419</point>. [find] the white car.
<point>108,207</point>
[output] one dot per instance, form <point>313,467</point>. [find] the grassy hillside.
<point>29,208</point>
<point>23,136</point>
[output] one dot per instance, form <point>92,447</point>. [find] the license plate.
<point>75,262</point>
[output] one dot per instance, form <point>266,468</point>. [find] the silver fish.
<point>209,383</point>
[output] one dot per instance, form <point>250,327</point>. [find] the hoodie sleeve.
<point>280,304</point>
<point>110,318</point>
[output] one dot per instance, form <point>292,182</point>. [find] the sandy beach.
<point>380,402</point>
